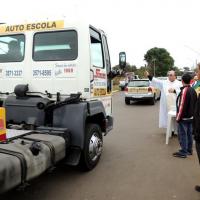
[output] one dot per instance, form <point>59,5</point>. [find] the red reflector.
<point>1,124</point>
<point>3,137</point>
<point>149,89</point>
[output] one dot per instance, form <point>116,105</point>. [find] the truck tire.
<point>127,101</point>
<point>153,101</point>
<point>158,99</point>
<point>92,148</point>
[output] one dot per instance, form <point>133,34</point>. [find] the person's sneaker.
<point>197,188</point>
<point>179,155</point>
<point>189,153</point>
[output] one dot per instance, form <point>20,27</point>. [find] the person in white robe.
<point>169,88</point>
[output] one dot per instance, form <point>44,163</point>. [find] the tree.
<point>128,68</point>
<point>178,71</point>
<point>140,72</point>
<point>160,59</point>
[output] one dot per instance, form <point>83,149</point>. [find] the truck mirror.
<point>122,60</point>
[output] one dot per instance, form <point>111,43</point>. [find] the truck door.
<point>98,69</point>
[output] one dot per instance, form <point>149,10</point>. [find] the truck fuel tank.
<point>27,157</point>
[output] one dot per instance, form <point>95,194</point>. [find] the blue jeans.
<point>185,137</point>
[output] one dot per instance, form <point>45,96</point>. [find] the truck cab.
<point>55,57</point>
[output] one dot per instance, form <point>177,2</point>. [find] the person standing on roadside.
<point>185,102</point>
<point>170,86</point>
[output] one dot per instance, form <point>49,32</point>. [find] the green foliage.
<point>162,60</point>
<point>140,72</point>
<point>159,57</point>
<point>177,70</point>
<point>128,68</point>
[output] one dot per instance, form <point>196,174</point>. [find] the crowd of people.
<point>183,97</point>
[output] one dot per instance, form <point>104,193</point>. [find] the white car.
<point>140,90</point>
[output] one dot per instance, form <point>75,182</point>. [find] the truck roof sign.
<point>38,26</point>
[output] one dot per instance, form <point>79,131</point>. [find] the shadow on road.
<point>61,174</point>
<point>139,103</point>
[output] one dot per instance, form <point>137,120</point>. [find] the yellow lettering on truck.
<point>32,26</point>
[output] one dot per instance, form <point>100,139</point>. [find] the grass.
<point>116,83</point>
<point>115,87</point>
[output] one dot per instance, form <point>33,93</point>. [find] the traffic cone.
<point>2,124</point>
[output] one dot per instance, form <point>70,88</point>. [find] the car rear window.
<point>139,84</point>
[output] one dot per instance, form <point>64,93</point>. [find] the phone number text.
<point>42,73</point>
<point>13,73</point>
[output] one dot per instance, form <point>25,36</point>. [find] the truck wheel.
<point>93,147</point>
<point>127,101</point>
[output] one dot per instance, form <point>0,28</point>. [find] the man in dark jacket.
<point>185,102</point>
<point>196,125</point>
<point>197,132</point>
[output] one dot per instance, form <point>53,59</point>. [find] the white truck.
<point>55,86</point>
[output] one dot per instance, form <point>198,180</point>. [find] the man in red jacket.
<point>185,102</point>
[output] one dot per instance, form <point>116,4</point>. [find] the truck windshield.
<point>138,84</point>
<point>12,48</point>
<point>55,46</point>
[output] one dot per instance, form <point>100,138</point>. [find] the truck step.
<point>73,157</point>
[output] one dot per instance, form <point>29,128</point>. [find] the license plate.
<point>133,90</point>
<point>142,90</point>
<point>137,97</point>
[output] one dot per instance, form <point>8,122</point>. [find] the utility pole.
<point>154,67</point>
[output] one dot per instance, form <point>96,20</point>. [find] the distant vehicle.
<point>140,90</point>
<point>123,83</point>
<point>179,78</point>
<point>162,78</point>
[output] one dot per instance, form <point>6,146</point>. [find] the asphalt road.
<point>136,164</point>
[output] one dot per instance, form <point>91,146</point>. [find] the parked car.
<point>140,90</point>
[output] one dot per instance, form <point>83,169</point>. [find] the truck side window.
<point>107,63</point>
<point>96,49</point>
<point>12,48</point>
<point>107,55</point>
<point>55,46</point>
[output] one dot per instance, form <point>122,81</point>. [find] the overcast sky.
<point>133,26</point>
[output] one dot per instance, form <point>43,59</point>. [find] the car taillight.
<point>126,89</point>
<point>149,89</point>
